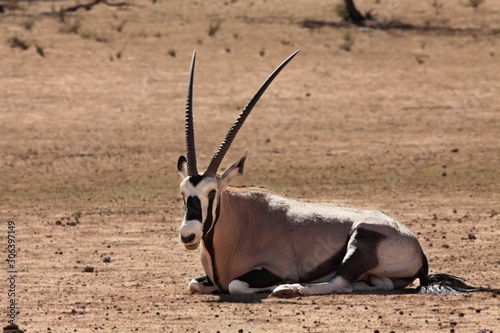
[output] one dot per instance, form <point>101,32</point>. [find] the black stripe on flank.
<point>327,267</point>
<point>361,260</point>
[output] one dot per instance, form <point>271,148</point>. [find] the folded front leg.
<point>202,285</point>
<point>257,280</point>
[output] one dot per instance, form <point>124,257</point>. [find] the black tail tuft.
<point>446,284</point>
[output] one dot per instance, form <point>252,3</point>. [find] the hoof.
<point>195,287</point>
<point>287,290</point>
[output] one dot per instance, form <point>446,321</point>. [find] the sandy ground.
<point>402,116</point>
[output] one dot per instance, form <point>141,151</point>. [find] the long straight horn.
<point>226,143</point>
<point>190,149</point>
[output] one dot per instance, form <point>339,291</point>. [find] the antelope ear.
<point>182,166</point>
<point>235,170</point>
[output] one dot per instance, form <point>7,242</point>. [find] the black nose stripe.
<point>187,239</point>
<point>193,209</point>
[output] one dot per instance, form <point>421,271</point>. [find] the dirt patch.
<point>401,116</point>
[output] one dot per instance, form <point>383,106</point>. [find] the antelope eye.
<point>212,194</point>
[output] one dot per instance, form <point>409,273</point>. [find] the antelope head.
<point>201,192</point>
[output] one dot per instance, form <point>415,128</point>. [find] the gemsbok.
<point>254,240</point>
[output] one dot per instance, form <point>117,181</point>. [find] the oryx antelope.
<point>254,240</point>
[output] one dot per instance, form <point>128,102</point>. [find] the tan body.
<point>259,229</point>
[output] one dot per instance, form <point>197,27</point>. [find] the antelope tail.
<point>446,284</point>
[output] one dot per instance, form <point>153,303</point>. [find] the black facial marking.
<point>195,180</point>
<point>193,209</point>
<point>187,239</point>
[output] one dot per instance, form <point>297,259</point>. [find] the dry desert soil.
<point>400,115</point>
